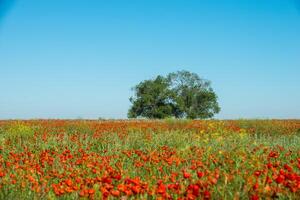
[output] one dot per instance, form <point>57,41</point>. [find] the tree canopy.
<point>180,94</point>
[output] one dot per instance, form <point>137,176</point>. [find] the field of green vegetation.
<point>166,159</point>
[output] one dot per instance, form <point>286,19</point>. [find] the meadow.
<point>166,159</point>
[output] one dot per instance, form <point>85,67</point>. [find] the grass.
<point>170,159</point>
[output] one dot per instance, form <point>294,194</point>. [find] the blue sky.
<point>70,59</point>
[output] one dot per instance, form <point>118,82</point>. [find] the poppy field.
<point>166,159</point>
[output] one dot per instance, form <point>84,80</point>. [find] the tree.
<point>181,95</point>
<point>195,97</point>
<point>152,99</point>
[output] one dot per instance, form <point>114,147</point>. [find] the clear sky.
<point>71,58</point>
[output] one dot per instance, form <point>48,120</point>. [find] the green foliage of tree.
<point>195,97</point>
<point>181,95</point>
<point>152,99</point>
